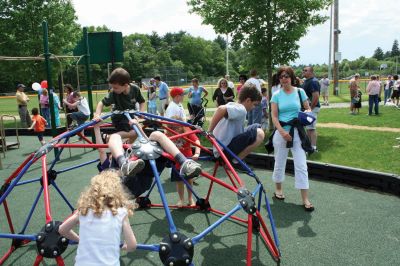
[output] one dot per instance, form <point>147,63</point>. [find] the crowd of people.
<point>238,123</point>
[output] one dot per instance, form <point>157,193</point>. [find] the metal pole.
<point>88,78</point>
<point>227,54</point>
<point>87,64</point>
<point>330,46</point>
<point>49,79</point>
<point>336,33</point>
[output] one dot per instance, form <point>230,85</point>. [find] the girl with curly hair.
<point>102,214</point>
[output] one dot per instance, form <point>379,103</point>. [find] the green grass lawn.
<point>9,106</point>
<point>347,147</point>
<point>389,117</point>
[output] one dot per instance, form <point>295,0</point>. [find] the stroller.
<point>198,113</point>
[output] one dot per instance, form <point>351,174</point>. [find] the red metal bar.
<point>38,260</point>
<point>232,217</point>
<point>228,164</point>
<point>216,180</point>
<point>212,183</point>
<point>267,238</point>
<point>229,175</point>
<point>16,172</point>
<point>46,190</point>
<point>183,135</point>
<point>75,145</point>
<point>10,224</point>
<point>168,156</point>
<point>60,261</point>
<point>7,254</point>
<point>249,239</point>
<point>173,206</point>
<point>85,138</point>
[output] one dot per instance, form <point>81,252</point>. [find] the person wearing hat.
<point>175,107</point>
<point>22,102</point>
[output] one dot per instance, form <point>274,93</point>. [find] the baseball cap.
<point>176,91</point>
<point>21,86</point>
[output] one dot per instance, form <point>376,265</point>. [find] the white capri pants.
<point>299,159</point>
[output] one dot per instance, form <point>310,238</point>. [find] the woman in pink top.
<point>44,105</point>
<point>242,80</point>
<point>68,89</point>
<point>374,92</point>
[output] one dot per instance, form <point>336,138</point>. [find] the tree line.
<point>177,57</point>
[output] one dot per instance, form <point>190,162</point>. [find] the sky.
<point>364,25</point>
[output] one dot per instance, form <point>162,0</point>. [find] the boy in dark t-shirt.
<point>123,96</point>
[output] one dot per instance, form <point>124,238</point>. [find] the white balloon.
<point>36,86</point>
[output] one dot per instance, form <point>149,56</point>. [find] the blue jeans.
<point>255,116</point>
<point>373,99</point>
<point>79,117</point>
<point>46,115</point>
<point>387,95</point>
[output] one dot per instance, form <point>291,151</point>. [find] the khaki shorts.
<point>315,112</point>
<point>161,106</point>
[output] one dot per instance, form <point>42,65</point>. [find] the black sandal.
<point>309,207</point>
<point>279,196</point>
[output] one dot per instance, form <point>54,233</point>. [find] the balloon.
<point>36,86</point>
<point>43,84</point>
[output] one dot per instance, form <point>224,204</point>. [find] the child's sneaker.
<point>131,168</point>
<point>190,168</point>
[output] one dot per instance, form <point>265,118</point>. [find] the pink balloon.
<point>43,84</point>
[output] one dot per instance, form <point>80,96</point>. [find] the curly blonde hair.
<point>104,192</point>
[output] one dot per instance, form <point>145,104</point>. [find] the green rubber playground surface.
<point>350,226</point>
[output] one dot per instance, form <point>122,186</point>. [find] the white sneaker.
<point>131,168</point>
<point>190,168</point>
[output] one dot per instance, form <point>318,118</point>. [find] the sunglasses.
<point>304,70</point>
<point>224,83</point>
<point>286,76</point>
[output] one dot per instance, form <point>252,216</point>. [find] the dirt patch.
<point>347,126</point>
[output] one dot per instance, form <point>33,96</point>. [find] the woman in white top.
<point>102,214</point>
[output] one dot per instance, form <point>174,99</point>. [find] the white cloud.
<point>365,25</point>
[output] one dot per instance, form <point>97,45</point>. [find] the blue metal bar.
<point>148,247</point>
<point>77,166</point>
<point>172,227</point>
<point>165,119</point>
<point>82,127</point>
<point>62,194</point>
<point>134,126</point>
<point>16,179</point>
<point>57,158</point>
<point>225,148</point>
<point>197,238</point>
<point>32,209</point>
<point>271,219</point>
<point>151,189</point>
<point>259,199</point>
<point>18,236</point>
<point>186,183</point>
<point>28,181</point>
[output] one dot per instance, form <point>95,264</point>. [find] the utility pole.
<point>336,56</point>
<point>330,46</point>
<point>227,54</point>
